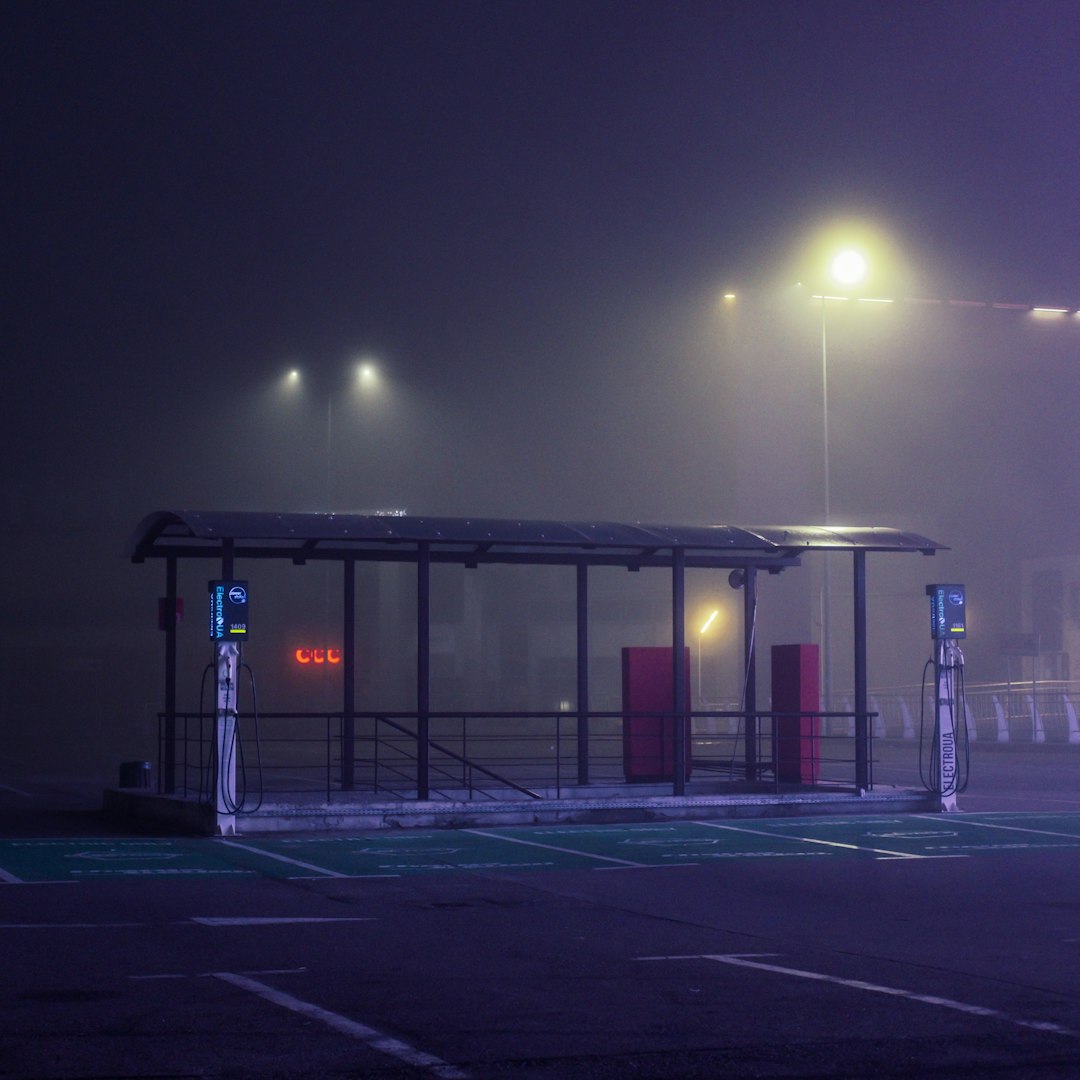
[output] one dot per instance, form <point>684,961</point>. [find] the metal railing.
<point>497,755</point>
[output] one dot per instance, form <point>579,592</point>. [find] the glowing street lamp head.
<point>848,267</point>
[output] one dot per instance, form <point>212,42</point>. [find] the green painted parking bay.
<point>663,844</point>
<point>553,847</point>
<point>415,852</point>
<point>102,859</point>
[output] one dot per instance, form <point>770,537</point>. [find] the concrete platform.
<point>139,808</point>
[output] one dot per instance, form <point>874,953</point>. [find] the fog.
<point>525,223</point>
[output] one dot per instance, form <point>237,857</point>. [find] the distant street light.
<point>364,380</point>
<point>847,267</point>
<point>701,637</point>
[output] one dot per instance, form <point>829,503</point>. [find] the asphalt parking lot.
<point>886,946</point>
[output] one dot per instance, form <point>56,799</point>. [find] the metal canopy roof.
<point>300,536</point>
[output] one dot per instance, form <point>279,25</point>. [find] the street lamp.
<point>847,267</point>
<point>364,380</point>
<point>701,637</point>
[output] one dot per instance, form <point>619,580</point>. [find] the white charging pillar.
<point>947,662</point>
<point>226,687</point>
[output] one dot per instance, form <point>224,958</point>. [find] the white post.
<point>1038,730</point>
<point>1070,715</point>
<point>909,722</point>
<point>1002,721</point>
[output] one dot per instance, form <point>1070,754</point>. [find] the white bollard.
<point>909,722</point>
<point>1070,715</point>
<point>1002,721</point>
<point>1038,732</point>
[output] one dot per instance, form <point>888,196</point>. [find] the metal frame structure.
<point>471,542</point>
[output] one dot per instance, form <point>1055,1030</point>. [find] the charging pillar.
<point>948,623</point>
<point>228,628</point>
<point>947,661</point>
<point>226,683</point>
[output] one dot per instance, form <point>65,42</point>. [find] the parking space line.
<point>957,820</point>
<point>283,858</point>
<point>884,852</point>
<point>555,847</point>
<point>385,1044</point>
<point>743,960</point>
<point>11,879</point>
<point>272,920</point>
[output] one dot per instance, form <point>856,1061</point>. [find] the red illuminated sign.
<point>317,656</point>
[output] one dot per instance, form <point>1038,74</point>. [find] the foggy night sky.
<point>524,214</point>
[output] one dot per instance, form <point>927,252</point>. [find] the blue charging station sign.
<point>228,610</point>
<point>948,614</point>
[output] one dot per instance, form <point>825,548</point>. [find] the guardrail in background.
<point>1047,713</point>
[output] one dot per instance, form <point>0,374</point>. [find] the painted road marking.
<point>389,854</point>
<point>385,1044</point>
<point>554,847</point>
<point>111,856</point>
<point>202,920</point>
<point>282,858</point>
<point>745,960</point>
<point>68,925</point>
<point>269,920</point>
<point>885,853</point>
<point>1012,828</point>
<point>210,974</point>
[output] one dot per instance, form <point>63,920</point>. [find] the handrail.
<point>463,760</point>
<point>477,752</point>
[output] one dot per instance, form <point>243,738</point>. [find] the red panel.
<point>796,688</point>
<point>649,687</point>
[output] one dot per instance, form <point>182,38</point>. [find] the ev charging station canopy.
<point>352,538</point>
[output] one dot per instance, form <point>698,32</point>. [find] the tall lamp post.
<point>701,639</point>
<point>365,379</point>
<point>848,267</point>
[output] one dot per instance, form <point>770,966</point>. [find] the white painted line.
<point>270,920</point>
<point>283,858</point>
<point>648,866</point>
<point>743,960</point>
<point>553,847</point>
<point>11,879</point>
<point>811,840</point>
<point>385,1044</point>
<point>1012,828</point>
<point>210,974</point>
<point>59,881</point>
<point>69,925</point>
<point>16,791</point>
<point>344,877</point>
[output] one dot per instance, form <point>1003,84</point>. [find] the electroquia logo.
<point>217,612</point>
